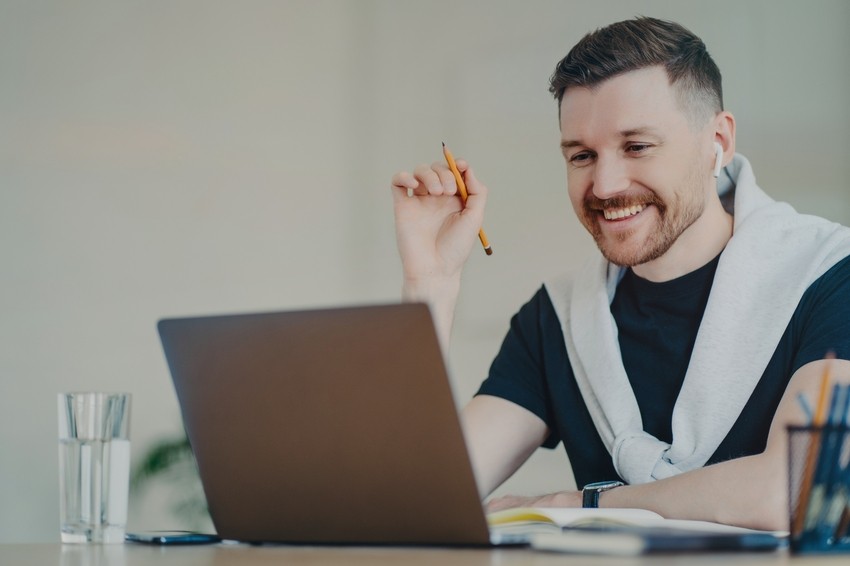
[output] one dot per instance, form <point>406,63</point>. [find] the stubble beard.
<point>673,219</point>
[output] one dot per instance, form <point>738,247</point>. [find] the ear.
<point>724,136</point>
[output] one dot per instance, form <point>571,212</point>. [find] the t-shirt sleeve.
<point>517,373</point>
<point>825,326</point>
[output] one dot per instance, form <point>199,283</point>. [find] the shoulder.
<point>538,312</point>
<point>821,322</point>
<point>535,329</point>
<point>835,282</point>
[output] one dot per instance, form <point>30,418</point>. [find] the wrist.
<point>559,499</point>
<point>432,290</point>
<point>440,294</point>
<point>592,492</point>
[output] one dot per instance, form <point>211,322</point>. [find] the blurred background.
<point>195,157</point>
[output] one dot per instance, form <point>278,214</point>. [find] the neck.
<point>698,245</point>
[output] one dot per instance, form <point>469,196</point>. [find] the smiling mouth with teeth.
<point>618,213</point>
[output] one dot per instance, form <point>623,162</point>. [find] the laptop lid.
<point>325,426</point>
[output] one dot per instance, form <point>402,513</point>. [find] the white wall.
<point>165,158</point>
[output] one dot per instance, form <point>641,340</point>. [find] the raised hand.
<point>436,232</point>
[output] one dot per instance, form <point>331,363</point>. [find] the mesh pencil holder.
<point>819,489</point>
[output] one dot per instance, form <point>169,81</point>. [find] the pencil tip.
<point>444,144</point>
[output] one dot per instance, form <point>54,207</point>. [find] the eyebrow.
<point>641,131</point>
<point>631,132</point>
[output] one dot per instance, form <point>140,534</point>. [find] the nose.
<point>610,176</point>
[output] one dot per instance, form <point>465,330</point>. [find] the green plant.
<point>171,461</point>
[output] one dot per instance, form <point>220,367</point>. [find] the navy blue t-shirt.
<point>657,325</point>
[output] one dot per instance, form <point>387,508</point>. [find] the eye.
<point>581,158</point>
<point>637,148</point>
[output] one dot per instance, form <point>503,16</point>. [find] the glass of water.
<point>94,466</point>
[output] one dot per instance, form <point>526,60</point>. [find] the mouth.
<point>622,213</point>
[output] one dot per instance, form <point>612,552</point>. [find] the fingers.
<point>509,502</point>
<point>435,179</point>
<point>404,182</point>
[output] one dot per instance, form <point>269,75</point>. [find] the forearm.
<point>748,492</point>
<point>441,296</point>
<point>500,436</point>
<point>751,491</point>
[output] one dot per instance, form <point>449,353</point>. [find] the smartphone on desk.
<point>171,537</point>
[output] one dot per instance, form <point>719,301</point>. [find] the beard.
<point>673,218</point>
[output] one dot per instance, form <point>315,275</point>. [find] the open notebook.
<point>625,532</point>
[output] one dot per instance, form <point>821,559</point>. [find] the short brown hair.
<point>639,43</point>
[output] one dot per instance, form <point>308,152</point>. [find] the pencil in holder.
<point>819,488</point>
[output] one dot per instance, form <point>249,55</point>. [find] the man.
<point>673,362</point>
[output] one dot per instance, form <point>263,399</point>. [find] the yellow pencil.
<point>461,187</point>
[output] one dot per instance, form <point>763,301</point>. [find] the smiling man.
<point>670,366</point>
<point>636,160</point>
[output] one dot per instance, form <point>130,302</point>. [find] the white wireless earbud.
<point>718,162</point>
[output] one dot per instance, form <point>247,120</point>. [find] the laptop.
<point>332,426</point>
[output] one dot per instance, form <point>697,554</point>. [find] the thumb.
<point>476,189</point>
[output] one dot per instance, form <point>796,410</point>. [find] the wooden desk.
<point>227,555</point>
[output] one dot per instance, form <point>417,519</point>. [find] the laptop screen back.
<point>325,426</point>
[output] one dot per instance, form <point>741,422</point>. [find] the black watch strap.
<point>590,493</point>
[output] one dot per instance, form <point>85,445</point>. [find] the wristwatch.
<point>590,492</point>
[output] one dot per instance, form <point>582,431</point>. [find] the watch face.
<point>590,493</point>
<point>602,485</point>
<point>590,496</point>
